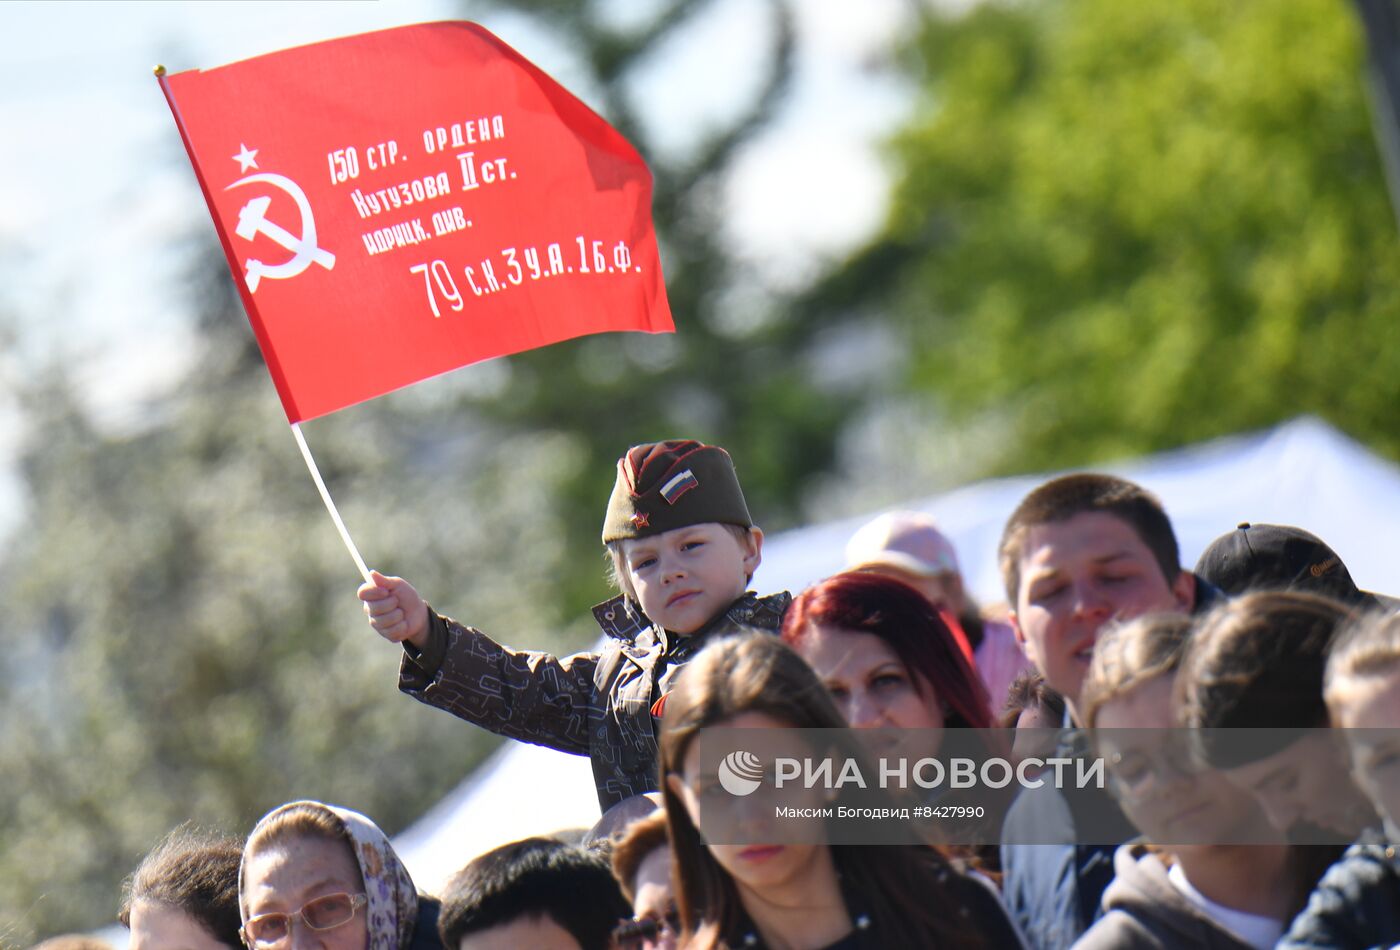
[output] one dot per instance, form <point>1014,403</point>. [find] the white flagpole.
<point>330,505</point>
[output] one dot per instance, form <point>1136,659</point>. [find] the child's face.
<point>1306,781</point>
<point>685,576</point>
<point>1166,794</point>
<point>1370,713</point>
<point>1078,574</point>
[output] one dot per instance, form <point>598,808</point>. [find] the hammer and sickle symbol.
<point>252,221</point>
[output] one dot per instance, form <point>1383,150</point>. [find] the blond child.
<point>683,548</point>
<point>1210,871</point>
<point>1362,689</point>
<point>1357,902</point>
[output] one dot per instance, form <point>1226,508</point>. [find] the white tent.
<point>1302,473</point>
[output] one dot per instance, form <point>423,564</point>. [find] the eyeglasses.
<point>323,913</point>
<point>641,933</point>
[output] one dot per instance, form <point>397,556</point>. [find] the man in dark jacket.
<point>684,549</point>
<point>1078,552</point>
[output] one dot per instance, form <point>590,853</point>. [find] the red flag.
<point>398,204</point>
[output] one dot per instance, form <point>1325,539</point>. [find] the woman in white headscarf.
<point>331,871</point>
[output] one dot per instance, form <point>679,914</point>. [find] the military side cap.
<point>665,485</point>
<point>1278,557</point>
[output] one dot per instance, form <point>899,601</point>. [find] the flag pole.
<point>330,505</point>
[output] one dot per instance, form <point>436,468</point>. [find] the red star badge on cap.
<point>640,520</point>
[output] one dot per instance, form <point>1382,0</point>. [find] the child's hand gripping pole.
<point>395,609</point>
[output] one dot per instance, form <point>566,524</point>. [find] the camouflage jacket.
<point>593,704</point>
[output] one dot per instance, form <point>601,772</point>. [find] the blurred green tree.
<point>1119,227</point>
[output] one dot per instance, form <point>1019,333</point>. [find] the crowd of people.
<point>1242,714</point>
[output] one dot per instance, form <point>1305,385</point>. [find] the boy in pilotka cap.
<point>683,549</point>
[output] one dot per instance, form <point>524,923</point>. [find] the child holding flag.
<point>684,550</point>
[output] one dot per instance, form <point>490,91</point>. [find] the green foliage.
<point>1124,226</point>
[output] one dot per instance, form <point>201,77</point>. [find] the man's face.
<point>1078,574</point>
<point>685,576</point>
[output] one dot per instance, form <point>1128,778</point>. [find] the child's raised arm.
<point>395,610</point>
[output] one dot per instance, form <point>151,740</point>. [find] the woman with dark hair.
<point>185,893</point>
<point>1257,662</point>
<point>331,873</point>
<point>804,896</point>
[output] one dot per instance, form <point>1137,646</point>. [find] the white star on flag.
<point>245,158</point>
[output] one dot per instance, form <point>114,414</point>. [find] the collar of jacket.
<point>622,619</point>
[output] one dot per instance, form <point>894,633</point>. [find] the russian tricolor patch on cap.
<point>678,485</point>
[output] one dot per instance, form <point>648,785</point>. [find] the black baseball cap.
<point>1281,557</point>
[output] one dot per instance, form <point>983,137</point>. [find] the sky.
<point>95,188</point>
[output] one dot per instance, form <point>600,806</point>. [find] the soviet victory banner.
<point>400,203</point>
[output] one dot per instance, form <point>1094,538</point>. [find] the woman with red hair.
<point>894,662</point>
<point>888,656</point>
